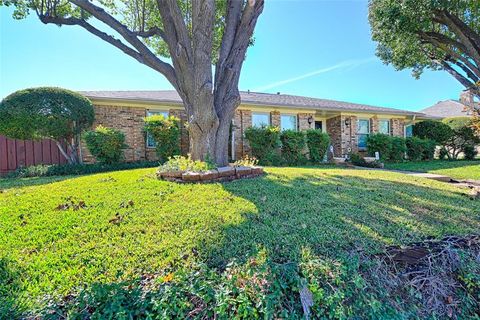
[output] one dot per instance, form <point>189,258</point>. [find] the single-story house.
<point>452,108</point>
<point>348,124</point>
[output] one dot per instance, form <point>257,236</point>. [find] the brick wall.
<point>374,125</point>
<point>242,120</point>
<point>303,121</point>
<point>275,118</point>
<point>130,122</point>
<point>334,130</point>
<point>397,127</point>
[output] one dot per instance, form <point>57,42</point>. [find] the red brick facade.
<point>342,130</point>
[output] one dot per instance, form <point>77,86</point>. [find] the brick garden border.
<point>221,174</point>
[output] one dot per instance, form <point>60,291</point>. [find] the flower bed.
<point>220,174</point>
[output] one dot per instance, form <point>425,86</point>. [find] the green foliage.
<point>359,160</point>
<point>265,144</point>
<point>105,144</point>
<point>390,148</point>
<point>381,143</point>
<point>433,130</point>
<point>75,169</point>
<point>443,153</point>
<point>45,112</point>
<point>293,147</point>
<point>318,143</point>
<point>181,163</point>
<point>469,152</point>
<point>399,27</point>
<point>167,226</point>
<point>246,161</point>
<point>420,149</point>
<point>463,135</point>
<point>166,134</point>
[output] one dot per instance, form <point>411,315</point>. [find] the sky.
<point>311,48</point>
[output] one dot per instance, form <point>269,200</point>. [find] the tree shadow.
<point>11,290</point>
<point>11,183</point>
<point>335,214</point>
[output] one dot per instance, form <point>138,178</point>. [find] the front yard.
<point>61,234</point>
<point>458,169</point>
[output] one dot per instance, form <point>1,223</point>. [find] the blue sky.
<point>313,48</point>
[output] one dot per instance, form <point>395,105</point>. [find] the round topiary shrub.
<point>105,144</point>
<point>433,130</point>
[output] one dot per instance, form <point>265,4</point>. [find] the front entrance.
<point>318,125</point>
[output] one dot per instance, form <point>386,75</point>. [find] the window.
<point>363,129</point>
<point>318,125</point>
<point>409,130</point>
<point>150,141</point>
<point>288,122</point>
<point>384,126</point>
<point>260,119</point>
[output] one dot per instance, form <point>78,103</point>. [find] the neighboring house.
<point>447,109</point>
<point>348,124</point>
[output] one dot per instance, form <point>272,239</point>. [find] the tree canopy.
<point>433,34</point>
<point>193,34</point>
<point>53,113</point>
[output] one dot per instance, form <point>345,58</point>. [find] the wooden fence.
<point>22,153</point>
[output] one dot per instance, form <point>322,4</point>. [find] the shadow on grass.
<point>10,183</point>
<point>333,215</point>
<point>10,290</point>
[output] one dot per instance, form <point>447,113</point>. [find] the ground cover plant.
<point>110,238</point>
<point>458,169</point>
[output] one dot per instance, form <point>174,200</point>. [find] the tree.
<point>463,136</point>
<point>47,113</point>
<point>433,130</point>
<point>432,34</point>
<point>193,34</point>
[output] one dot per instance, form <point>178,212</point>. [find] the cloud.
<point>347,64</point>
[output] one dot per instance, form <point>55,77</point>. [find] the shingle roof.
<point>252,98</point>
<point>446,109</point>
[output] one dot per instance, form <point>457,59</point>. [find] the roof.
<point>251,98</point>
<point>447,108</point>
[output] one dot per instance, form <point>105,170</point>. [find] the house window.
<point>318,125</point>
<point>363,129</point>
<point>384,126</point>
<point>150,140</point>
<point>409,130</point>
<point>288,122</point>
<point>260,119</point>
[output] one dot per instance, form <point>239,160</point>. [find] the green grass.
<point>459,169</point>
<point>329,211</point>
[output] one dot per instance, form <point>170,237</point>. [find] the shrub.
<point>443,153</point>
<point>397,152</point>
<point>317,142</point>
<point>381,143</point>
<point>469,152</point>
<point>265,144</point>
<point>47,113</point>
<point>293,146</point>
<point>105,144</point>
<point>420,149</point>
<point>76,169</point>
<point>463,135</point>
<point>433,130</point>
<point>165,131</point>
<point>181,163</point>
<point>358,160</point>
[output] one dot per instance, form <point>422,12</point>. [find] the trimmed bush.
<point>165,131</point>
<point>433,130</point>
<point>293,146</point>
<point>398,149</point>
<point>381,143</point>
<point>317,142</point>
<point>105,144</point>
<point>469,152</point>
<point>265,144</point>
<point>420,149</point>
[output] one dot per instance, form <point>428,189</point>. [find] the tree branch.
<point>457,75</point>
<point>155,31</point>
<point>149,58</point>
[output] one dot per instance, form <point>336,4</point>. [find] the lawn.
<point>57,234</point>
<point>459,169</point>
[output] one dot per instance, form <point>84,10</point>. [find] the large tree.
<point>433,34</point>
<point>182,40</point>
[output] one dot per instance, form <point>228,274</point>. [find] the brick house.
<point>348,124</point>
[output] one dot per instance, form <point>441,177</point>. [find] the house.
<point>451,108</point>
<point>348,124</point>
